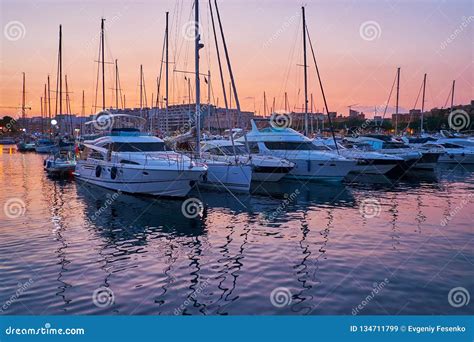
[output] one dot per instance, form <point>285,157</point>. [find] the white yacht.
<point>386,145</point>
<point>310,162</point>
<point>265,168</point>
<point>456,150</point>
<point>62,163</point>
<point>134,162</point>
<point>368,162</point>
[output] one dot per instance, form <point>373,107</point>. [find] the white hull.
<point>267,176</point>
<point>321,169</point>
<point>227,177</point>
<point>139,180</point>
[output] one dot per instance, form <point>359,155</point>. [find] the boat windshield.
<point>139,147</point>
<point>228,150</point>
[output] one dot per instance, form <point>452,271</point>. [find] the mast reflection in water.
<point>289,248</point>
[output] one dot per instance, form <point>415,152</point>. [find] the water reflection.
<point>310,238</point>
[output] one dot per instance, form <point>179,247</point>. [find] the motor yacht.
<point>368,162</point>
<point>385,145</point>
<point>135,162</point>
<point>310,162</point>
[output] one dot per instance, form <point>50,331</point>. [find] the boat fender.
<point>98,171</point>
<point>113,172</point>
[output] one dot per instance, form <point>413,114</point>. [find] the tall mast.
<point>23,101</point>
<point>116,84</point>
<point>141,86</point>
<point>286,102</point>
<point>197,46</point>
<point>396,106</point>
<point>209,99</point>
<point>83,107</point>
<point>452,95</point>
<point>102,36</point>
<point>45,110</point>
<point>166,74</point>
<point>305,66</point>
<point>264,104</point>
<point>229,66</point>
<point>423,104</point>
<point>60,70</point>
<point>41,103</point>
<point>49,108</point>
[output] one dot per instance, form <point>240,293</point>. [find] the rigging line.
<point>322,89</point>
<point>291,56</point>
<point>414,106</point>
<point>97,80</point>
<point>389,97</point>
<point>161,70</point>
<point>222,79</point>
<point>449,95</point>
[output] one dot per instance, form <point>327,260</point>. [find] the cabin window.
<point>253,146</point>
<point>291,146</point>
<point>96,155</point>
<point>139,147</point>
<point>123,161</point>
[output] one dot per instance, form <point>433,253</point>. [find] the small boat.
<point>60,164</point>
<point>45,146</point>
<point>265,168</point>
<point>26,146</point>
<point>457,150</point>
<point>7,141</point>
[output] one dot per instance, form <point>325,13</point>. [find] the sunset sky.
<point>358,45</point>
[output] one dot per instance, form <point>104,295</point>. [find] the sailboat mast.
<point>452,95</point>
<point>423,104</point>
<point>116,84</point>
<point>102,36</point>
<point>60,70</point>
<point>305,66</point>
<point>166,74</point>
<point>141,86</point>
<point>23,100</point>
<point>197,46</point>
<point>396,106</point>
<point>209,99</point>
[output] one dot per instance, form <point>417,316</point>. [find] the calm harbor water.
<point>370,247</point>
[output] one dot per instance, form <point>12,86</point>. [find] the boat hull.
<point>320,170</point>
<point>229,177</point>
<point>269,174</point>
<point>427,161</point>
<point>138,180</point>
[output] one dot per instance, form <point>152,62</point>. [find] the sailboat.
<point>229,175</point>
